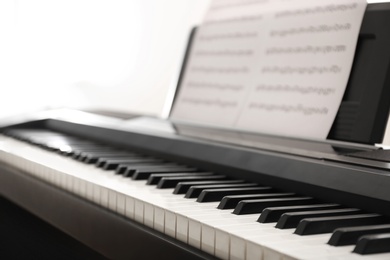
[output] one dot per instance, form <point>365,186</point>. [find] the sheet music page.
<point>276,67</point>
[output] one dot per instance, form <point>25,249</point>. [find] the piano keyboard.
<point>227,218</point>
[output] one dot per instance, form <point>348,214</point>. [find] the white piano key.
<point>89,193</point>
<point>112,197</point>
<point>139,211</point>
<point>83,188</point>
<point>121,204</point>
<point>182,228</point>
<point>237,248</point>
<point>170,223</point>
<point>149,215</point>
<point>129,210</point>
<point>272,255</point>
<point>208,239</point>
<point>253,251</point>
<point>96,194</point>
<point>159,219</point>
<point>104,197</point>
<point>194,234</point>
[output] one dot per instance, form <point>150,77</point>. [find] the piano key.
<point>292,219</point>
<point>231,201</point>
<point>143,174</point>
<point>311,226</point>
<point>171,182</point>
<point>156,177</point>
<point>131,168</point>
<point>126,168</point>
<point>183,187</point>
<point>350,235</point>
<point>93,157</point>
<point>112,164</point>
<point>102,160</point>
<point>209,195</point>
<point>272,214</point>
<point>373,244</point>
<point>80,154</point>
<point>195,191</point>
<point>257,206</point>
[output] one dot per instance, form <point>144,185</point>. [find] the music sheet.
<point>276,67</point>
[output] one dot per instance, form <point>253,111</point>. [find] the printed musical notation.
<point>211,102</point>
<point>215,86</point>
<point>324,49</point>
<point>226,53</point>
<point>276,67</point>
<point>240,19</point>
<point>227,36</point>
<point>332,8</point>
<point>299,108</point>
<point>303,90</point>
<point>221,70</point>
<point>322,28</point>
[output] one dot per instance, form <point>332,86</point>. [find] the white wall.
<point>118,54</point>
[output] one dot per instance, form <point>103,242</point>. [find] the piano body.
<point>110,182</point>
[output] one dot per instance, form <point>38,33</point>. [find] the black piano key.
<point>373,244</point>
<point>112,165</point>
<point>156,177</point>
<point>257,206</point>
<point>171,182</point>
<point>350,235</point>
<point>102,160</point>
<point>143,174</point>
<point>312,226</point>
<point>127,169</point>
<point>93,157</point>
<point>195,191</point>
<point>210,195</point>
<point>272,214</point>
<point>139,166</point>
<point>82,153</point>
<point>292,219</point>
<point>183,187</point>
<point>231,201</point>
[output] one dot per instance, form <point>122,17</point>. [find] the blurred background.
<point>121,55</point>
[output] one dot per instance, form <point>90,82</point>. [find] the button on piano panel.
<point>202,225</point>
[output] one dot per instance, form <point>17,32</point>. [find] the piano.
<point>142,187</point>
